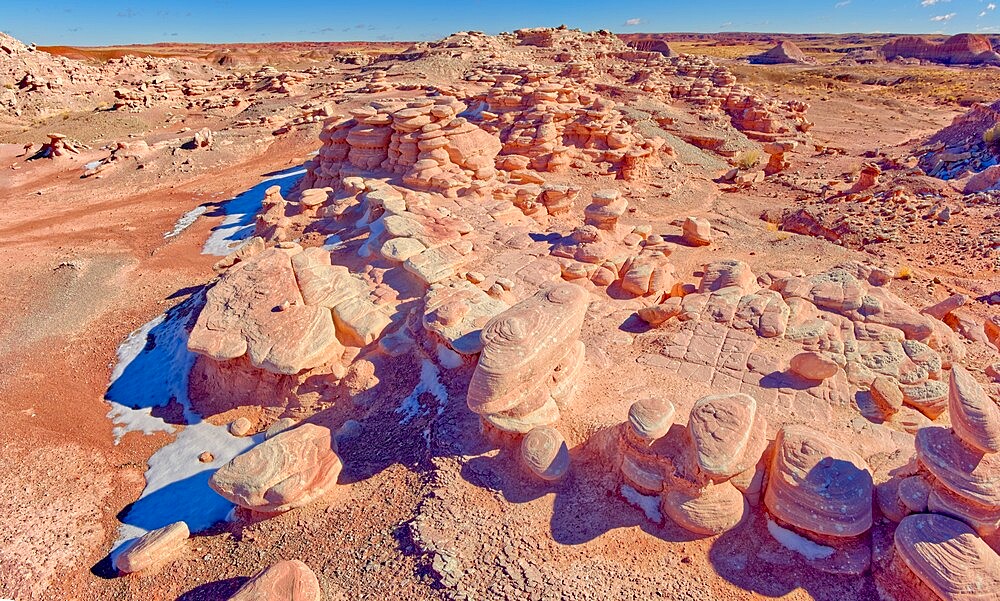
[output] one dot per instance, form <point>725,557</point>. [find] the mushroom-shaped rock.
<point>289,470</point>
<point>544,452</point>
<point>813,366</point>
<point>243,315</point>
<point>965,471</point>
<point>651,418</point>
<point>153,548</point>
<point>696,231</point>
<point>727,433</point>
<point>531,353</point>
<point>975,417</point>
<point>817,485</point>
<point>948,557</point>
<point>710,511</point>
<point>289,580</point>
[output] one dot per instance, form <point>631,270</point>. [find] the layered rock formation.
<point>530,360</point>
<point>285,580</point>
<point>961,49</point>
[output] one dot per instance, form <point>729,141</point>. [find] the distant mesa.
<point>784,53</point>
<point>961,49</point>
<point>651,45</point>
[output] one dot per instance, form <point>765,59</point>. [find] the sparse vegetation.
<point>748,159</point>
<point>992,135</point>
<point>904,273</point>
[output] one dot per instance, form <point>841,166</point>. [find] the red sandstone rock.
<point>288,470</point>
<point>544,452</point>
<point>728,434</point>
<point>948,557</point>
<point>975,417</point>
<point>818,485</point>
<point>289,580</point>
<point>710,511</point>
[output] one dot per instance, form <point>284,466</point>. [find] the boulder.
<point>153,549</point>
<point>817,485</point>
<point>696,231</point>
<point>289,580</point>
<point>813,366</point>
<point>288,470</point>
<point>651,419</point>
<point>709,511</point>
<point>544,452</point>
<point>948,558</point>
<point>531,356</point>
<point>728,435</point>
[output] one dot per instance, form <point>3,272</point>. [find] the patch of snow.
<point>798,543</point>
<point>152,371</point>
<point>448,358</point>
<point>241,213</point>
<point>650,505</point>
<point>429,383</point>
<point>92,165</point>
<point>333,242</point>
<point>186,220</point>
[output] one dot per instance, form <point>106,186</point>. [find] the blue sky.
<point>88,22</point>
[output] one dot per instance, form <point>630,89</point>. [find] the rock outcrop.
<point>288,470</point>
<point>784,52</point>
<point>961,49</point>
<point>530,360</point>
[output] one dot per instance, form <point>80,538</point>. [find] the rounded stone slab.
<point>813,366</point>
<point>289,580</point>
<point>728,434</point>
<point>153,548</point>
<point>257,309</point>
<point>965,471</point>
<point>289,470</point>
<point>818,485</point>
<point>523,345</point>
<point>975,417</point>
<point>711,511</point>
<point>651,418</point>
<point>544,452</point>
<point>948,557</point>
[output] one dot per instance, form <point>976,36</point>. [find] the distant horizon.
<point>403,41</point>
<point>128,22</point>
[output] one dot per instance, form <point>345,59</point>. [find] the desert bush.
<point>748,159</point>
<point>992,135</point>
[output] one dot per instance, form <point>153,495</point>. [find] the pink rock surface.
<point>948,557</point>
<point>288,470</point>
<point>246,313</point>
<point>975,417</point>
<point>289,580</point>
<point>965,471</point>
<point>818,485</point>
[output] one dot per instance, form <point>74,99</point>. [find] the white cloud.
<point>989,7</point>
<point>932,2</point>
<point>842,4</point>
<point>633,22</point>
<point>943,18</point>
